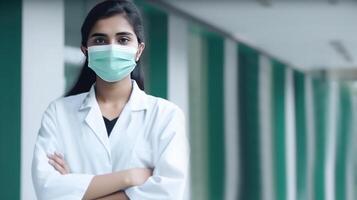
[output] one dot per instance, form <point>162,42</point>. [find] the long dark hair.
<point>104,10</point>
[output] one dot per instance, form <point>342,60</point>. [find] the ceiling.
<point>311,35</point>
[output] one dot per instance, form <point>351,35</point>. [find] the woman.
<point>113,141</point>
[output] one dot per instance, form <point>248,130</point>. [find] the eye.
<point>99,41</point>
<point>123,40</point>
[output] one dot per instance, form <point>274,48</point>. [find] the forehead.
<point>112,25</point>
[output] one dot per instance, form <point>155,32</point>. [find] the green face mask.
<point>112,62</point>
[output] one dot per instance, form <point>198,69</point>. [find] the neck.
<point>117,92</point>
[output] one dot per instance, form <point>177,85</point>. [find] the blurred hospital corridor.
<point>268,89</point>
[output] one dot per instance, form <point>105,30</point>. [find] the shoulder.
<point>67,104</point>
<point>162,106</point>
<point>61,107</point>
<point>165,113</point>
<point>166,118</point>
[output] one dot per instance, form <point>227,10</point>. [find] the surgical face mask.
<point>112,62</point>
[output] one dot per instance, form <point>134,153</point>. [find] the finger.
<point>65,166</point>
<point>59,159</point>
<point>58,167</point>
<point>57,162</point>
<point>59,155</point>
<point>49,156</point>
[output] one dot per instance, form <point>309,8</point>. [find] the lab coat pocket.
<point>142,156</point>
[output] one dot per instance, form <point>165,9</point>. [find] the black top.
<point>109,124</point>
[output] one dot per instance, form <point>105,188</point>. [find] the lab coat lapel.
<point>130,114</point>
<point>94,119</point>
<point>137,103</point>
<point>138,99</point>
<point>128,126</point>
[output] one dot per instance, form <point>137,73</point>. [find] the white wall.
<point>266,134</point>
<point>231,117</point>
<point>178,63</point>
<point>42,74</point>
<point>290,135</point>
<point>331,141</point>
<point>178,77</point>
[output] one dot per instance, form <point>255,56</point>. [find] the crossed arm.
<point>105,187</point>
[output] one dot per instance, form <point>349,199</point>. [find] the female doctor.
<point>113,141</point>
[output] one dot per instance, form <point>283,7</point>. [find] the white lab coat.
<point>150,132</point>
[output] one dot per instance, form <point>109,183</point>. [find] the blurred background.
<point>268,88</point>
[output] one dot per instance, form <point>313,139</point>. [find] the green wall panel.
<point>320,106</point>
<point>10,107</point>
<point>344,120</point>
<point>215,117</point>
<point>156,51</point>
<point>301,140</point>
<point>278,126</point>
<point>248,60</point>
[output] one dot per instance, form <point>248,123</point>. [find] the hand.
<point>115,196</point>
<point>138,176</point>
<point>58,162</point>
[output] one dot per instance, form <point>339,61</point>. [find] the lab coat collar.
<point>137,102</point>
<point>137,99</point>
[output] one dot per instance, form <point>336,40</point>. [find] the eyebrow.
<point>105,35</point>
<point>124,34</point>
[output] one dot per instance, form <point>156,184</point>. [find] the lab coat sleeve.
<point>171,168</point>
<point>48,183</point>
